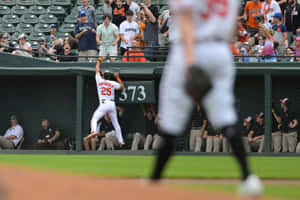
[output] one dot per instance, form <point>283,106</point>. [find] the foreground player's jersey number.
<point>137,92</point>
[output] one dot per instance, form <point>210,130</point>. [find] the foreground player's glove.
<point>198,83</point>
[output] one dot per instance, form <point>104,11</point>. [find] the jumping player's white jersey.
<point>106,89</point>
<point>214,19</point>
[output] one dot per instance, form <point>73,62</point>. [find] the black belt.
<point>104,100</point>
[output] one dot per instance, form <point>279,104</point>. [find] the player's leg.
<point>174,109</point>
<point>98,114</point>
<point>114,120</point>
<point>220,98</point>
<point>148,142</point>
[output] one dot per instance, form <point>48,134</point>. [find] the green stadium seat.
<point>29,19</point>
<point>37,10</point>
<point>10,19</point>
<point>71,19</point>
<point>99,11</point>
<point>91,2</point>
<point>24,28</point>
<point>47,19</point>
<point>7,28</point>
<point>4,10</point>
<point>56,10</point>
<point>0,20</point>
<point>74,12</point>
<point>62,2</point>
<point>43,2</point>
<point>7,2</point>
<point>25,2</point>
<point>19,10</point>
<point>35,36</point>
<point>41,28</point>
<point>35,45</point>
<point>67,28</point>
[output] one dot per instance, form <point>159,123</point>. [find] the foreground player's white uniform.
<point>214,26</point>
<point>106,93</point>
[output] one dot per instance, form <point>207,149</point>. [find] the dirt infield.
<point>24,184</point>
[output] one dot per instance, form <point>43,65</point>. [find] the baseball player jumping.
<point>200,69</point>
<point>106,93</point>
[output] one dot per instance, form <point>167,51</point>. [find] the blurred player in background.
<point>106,92</point>
<point>200,69</point>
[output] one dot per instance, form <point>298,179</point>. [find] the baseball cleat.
<point>122,144</point>
<point>251,187</point>
<point>90,136</point>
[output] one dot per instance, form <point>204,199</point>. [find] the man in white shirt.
<point>13,135</point>
<point>129,30</point>
<point>134,7</point>
<point>268,10</point>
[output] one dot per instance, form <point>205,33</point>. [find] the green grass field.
<point>223,167</point>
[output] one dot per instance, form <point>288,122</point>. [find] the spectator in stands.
<point>269,52</point>
<point>68,55</point>
<point>247,127</point>
<point>43,51</point>
<point>163,25</point>
<point>107,9</point>
<point>276,133</point>
<point>4,45</point>
<point>291,18</point>
<point>280,35</point>
<point>256,134</point>
<point>108,38</point>
<point>296,48</point>
<point>288,126</point>
<point>56,49</point>
<point>282,4</point>
<point>86,34</point>
<point>53,35</point>
<point>119,10</point>
<point>110,141</point>
<point>129,30</point>
<point>242,32</point>
<point>145,139</point>
<point>268,10</point>
<point>213,140</point>
<point>245,51</point>
<point>134,7</point>
<point>134,54</point>
<point>141,22</point>
<point>24,47</point>
<point>90,12</point>
<point>151,29</point>
<point>199,123</point>
<point>13,135</point>
<point>49,138</point>
<point>251,12</point>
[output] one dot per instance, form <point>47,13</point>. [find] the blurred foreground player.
<point>205,73</point>
<point>106,92</point>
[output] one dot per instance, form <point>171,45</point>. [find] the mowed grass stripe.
<point>140,166</point>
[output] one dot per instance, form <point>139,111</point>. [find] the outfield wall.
<point>66,92</point>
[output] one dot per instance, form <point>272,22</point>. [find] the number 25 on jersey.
<point>105,91</point>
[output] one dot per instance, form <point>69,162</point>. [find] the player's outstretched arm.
<point>117,76</point>
<point>98,65</point>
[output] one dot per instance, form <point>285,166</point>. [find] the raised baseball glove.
<point>198,84</point>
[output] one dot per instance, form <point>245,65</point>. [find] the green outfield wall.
<point>66,93</point>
